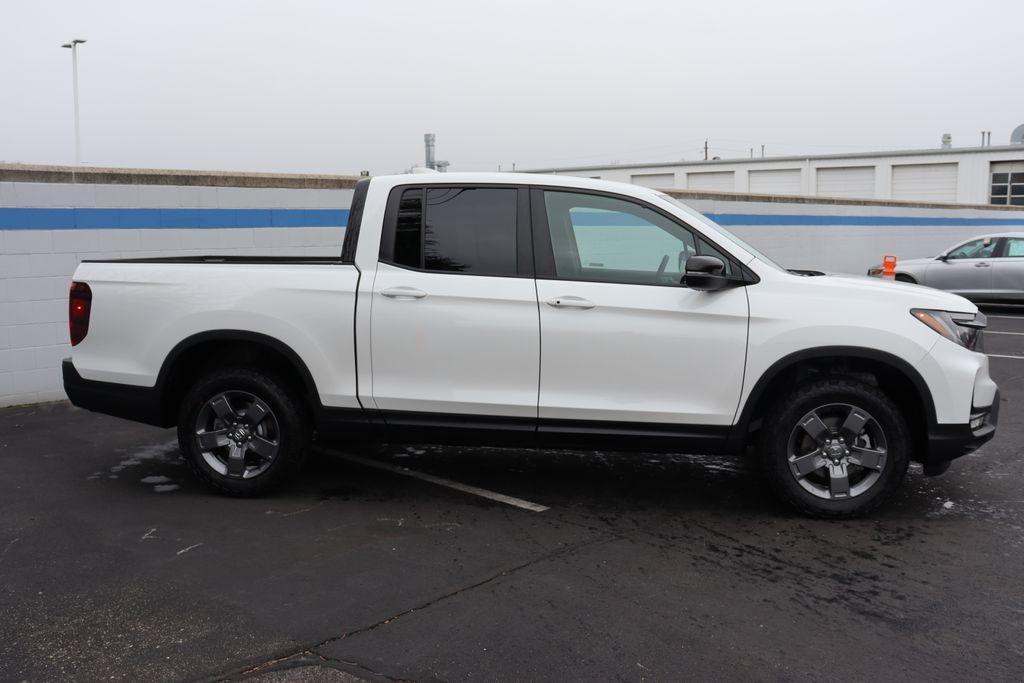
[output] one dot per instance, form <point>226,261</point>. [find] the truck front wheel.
<point>835,448</point>
<point>242,431</point>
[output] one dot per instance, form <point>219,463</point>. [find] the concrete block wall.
<point>49,223</point>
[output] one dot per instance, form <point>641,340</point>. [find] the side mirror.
<point>942,257</point>
<point>706,274</point>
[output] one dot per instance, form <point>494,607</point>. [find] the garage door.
<point>778,181</point>
<point>846,181</point>
<point>717,181</point>
<point>658,180</point>
<point>925,182</point>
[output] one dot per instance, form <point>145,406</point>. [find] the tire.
<point>268,445</point>
<point>859,431</point>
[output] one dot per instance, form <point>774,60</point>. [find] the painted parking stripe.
<point>1018,334</point>
<point>996,355</point>
<point>440,481</point>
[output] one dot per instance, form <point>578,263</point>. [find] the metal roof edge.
<point>800,157</point>
<point>38,173</point>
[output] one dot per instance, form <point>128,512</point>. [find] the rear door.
<point>967,268</point>
<point>1008,270</point>
<point>454,326</point>
<point>623,341</point>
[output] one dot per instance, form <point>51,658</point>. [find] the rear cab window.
<point>463,230</point>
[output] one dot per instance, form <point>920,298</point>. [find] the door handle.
<point>982,265</point>
<point>403,293</point>
<point>569,302</point>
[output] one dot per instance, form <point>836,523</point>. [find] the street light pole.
<point>73,46</point>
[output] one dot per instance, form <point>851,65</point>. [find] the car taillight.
<point>79,305</point>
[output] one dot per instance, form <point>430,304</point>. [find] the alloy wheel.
<point>837,451</point>
<point>238,434</point>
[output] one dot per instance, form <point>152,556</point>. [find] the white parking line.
<point>465,488</point>
<point>1006,317</point>
<point>996,355</point>
<point>1019,334</point>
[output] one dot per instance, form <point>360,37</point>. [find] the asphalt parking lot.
<point>115,563</point>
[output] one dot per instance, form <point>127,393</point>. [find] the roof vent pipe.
<point>428,145</point>
<point>947,140</point>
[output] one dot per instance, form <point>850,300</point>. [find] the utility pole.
<point>762,151</point>
<point>73,46</point>
<point>705,149</point>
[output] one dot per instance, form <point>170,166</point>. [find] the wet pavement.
<point>115,562</point>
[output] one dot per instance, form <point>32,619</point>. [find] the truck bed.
<point>143,309</point>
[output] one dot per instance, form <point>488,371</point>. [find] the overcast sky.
<point>339,86</point>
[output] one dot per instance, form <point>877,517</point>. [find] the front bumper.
<point>946,442</point>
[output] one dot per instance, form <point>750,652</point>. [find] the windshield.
<point>756,252</point>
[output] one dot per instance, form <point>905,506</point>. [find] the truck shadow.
<point>598,482</point>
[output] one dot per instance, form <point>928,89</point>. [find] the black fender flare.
<point>741,427</point>
<point>179,349</point>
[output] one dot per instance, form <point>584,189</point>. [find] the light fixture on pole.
<point>73,46</point>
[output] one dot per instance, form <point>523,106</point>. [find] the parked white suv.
<point>535,310</point>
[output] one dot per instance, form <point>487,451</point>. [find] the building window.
<point>1007,188</point>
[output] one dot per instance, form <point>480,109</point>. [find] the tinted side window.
<point>457,230</point>
<point>409,229</point>
<point>470,230</point>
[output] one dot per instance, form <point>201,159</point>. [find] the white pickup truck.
<point>535,310</point>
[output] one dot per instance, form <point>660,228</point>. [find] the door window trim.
<point>524,237</point>
<point>544,255</point>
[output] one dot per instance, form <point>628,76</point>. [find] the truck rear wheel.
<point>242,431</point>
<point>835,448</point>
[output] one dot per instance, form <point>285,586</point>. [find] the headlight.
<point>874,272</point>
<point>960,328</point>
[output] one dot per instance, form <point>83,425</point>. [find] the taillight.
<point>79,305</point>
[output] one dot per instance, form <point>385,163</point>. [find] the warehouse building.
<point>968,175</point>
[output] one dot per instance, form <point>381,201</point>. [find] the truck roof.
<point>516,179</point>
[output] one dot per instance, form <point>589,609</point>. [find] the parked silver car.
<point>986,269</point>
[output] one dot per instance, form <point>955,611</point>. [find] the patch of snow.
<point>164,488</point>
<point>156,479</point>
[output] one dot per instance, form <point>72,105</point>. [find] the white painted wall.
<point>36,265</point>
<point>851,248</point>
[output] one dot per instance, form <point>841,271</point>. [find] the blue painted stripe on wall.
<point>889,221</point>
<point>124,218</point>
<point>617,219</point>
<point>94,219</point>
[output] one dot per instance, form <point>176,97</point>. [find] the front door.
<point>453,324</point>
<point>622,340</point>
<point>966,269</point>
